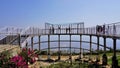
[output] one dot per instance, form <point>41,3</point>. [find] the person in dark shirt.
<point>114,29</point>
<point>69,29</point>
<point>52,29</point>
<point>103,29</point>
<point>59,29</point>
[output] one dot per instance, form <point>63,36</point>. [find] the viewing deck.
<point>108,30</point>
<point>20,36</point>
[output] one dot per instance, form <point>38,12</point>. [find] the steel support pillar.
<point>70,57</point>
<point>98,58</point>
<point>59,53</point>
<point>104,57</point>
<point>80,56</point>
<point>19,38</point>
<point>114,58</point>
<point>48,47</point>
<point>90,47</point>
<point>39,42</point>
<point>32,42</point>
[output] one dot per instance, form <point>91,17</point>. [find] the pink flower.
<point>19,61</point>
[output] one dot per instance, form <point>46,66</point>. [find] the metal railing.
<point>107,29</point>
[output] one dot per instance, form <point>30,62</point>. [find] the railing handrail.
<point>113,30</point>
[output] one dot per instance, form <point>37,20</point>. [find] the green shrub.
<point>4,59</point>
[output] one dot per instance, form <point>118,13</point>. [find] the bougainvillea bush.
<point>29,55</point>
<point>22,60</point>
<point>18,62</point>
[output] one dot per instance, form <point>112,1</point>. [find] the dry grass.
<point>44,57</point>
<point>56,57</point>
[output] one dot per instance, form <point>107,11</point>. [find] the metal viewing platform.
<point>19,36</point>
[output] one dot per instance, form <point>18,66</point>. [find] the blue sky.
<point>25,13</point>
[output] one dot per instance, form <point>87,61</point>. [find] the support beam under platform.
<point>59,53</point>
<point>98,57</point>
<point>39,42</point>
<point>48,47</point>
<point>80,56</point>
<point>114,58</point>
<point>70,56</point>
<point>90,47</point>
<point>104,57</point>
<point>32,43</point>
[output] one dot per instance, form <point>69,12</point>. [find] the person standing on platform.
<point>108,30</point>
<point>59,29</point>
<point>52,30</point>
<point>66,30</point>
<point>103,29</point>
<point>99,29</point>
<point>114,29</point>
<point>69,29</point>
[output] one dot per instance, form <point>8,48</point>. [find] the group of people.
<point>68,30</point>
<point>106,29</point>
<point>100,29</point>
<point>52,30</point>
